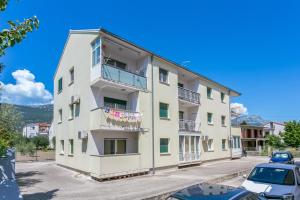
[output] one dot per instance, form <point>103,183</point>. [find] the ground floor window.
<point>236,142</point>
<point>62,146</point>
<point>223,144</point>
<point>114,146</point>
<point>164,145</point>
<point>210,145</point>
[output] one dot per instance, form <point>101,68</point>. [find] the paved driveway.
<point>46,180</point>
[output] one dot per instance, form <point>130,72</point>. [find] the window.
<point>210,118</point>
<point>84,145</point>
<point>222,97</point>
<point>163,75</point>
<point>164,145</point>
<point>209,93</point>
<point>223,120</point>
<point>210,144</point>
<point>236,144</point>
<point>181,114</point>
<point>60,85</point>
<point>71,75</point>
<point>71,150</point>
<point>115,103</point>
<point>62,146</point>
<point>96,52</point>
<point>180,85</point>
<point>114,146</point>
<point>223,144</point>
<point>115,63</point>
<point>59,115</point>
<point>71,106</point>
<point>163,110</point>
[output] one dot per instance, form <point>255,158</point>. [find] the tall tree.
<point>291,135</point>
<point>16,31</point>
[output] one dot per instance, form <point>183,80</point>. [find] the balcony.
<point>187,126</point>
<point>115,120</point>
<point>188,95</point>
<point>105,166</point>
<point>123,77</point>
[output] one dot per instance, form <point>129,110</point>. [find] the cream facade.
<point>120,109</point>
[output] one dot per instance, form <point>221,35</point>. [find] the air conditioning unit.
<point>82,134</point>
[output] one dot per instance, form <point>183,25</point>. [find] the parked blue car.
<point>284,157</point>
<point>207,191</point>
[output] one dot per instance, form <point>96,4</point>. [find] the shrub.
<point>3,147</point>
<point>30,148</point>
<point>41,142</point>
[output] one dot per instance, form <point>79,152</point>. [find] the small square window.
<point>163,75</point>
<point>222,97</point>
<point>164,145</point>
<point>209,92</point>
<point>210,118</point>
<point>164,110</point>
<point>223,120</point>
<point>223,144</point>
<point>71,150</point>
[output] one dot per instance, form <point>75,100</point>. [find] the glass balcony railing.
<point>124,77</point>
<point>187,125</point>
<point>188,95</point>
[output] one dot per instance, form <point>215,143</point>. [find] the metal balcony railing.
<point>187,157</point>
<point>188,95</point>
<point>124,77</point>
<point>187,125</point>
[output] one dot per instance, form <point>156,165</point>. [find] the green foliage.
<point>26,148</point>
<point>3,147</point>
<point>275,141</point>
<point>291,135</point>
<point>41,142</point>
<point>16,31</point>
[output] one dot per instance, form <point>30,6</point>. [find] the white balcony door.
<point>189,148</point>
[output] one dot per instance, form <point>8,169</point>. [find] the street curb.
<point>217,180</point>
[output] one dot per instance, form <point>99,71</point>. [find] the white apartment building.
<point>121,109</point>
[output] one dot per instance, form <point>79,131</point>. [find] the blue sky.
<point>251,46</point>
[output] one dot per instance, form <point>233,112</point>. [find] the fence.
<point>38,156</point>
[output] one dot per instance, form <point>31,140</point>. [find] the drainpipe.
<point>230,136</point>
<point>152,95</point>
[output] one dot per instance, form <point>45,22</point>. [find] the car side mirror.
<point>244,176</point>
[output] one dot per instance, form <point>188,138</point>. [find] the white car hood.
<point>267,188</point>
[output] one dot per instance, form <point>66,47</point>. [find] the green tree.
<point>291,135</point>
<point>15,32</point>
<point>275,141</point>
<point>40,142</point>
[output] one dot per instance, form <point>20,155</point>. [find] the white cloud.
<point>238,109</point>
<point>26,91</point>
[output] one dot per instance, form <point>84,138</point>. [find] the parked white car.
<point>274,181</point>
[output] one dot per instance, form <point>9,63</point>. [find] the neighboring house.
<point>36,129</point>
<point>120,109</point>
<point>274,128</point>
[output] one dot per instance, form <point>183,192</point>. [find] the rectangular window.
<point>59,115</point>
<point>84,145</point>
<point>223,120</point>
<point>71,106</point>
<point>180,85</point>
<point>223,144</point>
<point>210,144</point>
<point>163,75</point>
<point>163,110</point>
<point>181,115</point>
<point>115,103</point>
<point>62,146</point>
<point>71,75</point>
<point>209,93</point>
<point>210,118</point>
<point>114,146</point>
<point>236,142</point>
<point>60,86</point>
<point>222,97</point>
<point>115,63</point>
<point>96,52</point>
<point>71,144</point>
<point>164,145</point>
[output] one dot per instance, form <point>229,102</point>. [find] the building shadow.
<point>41,195</point>
<point>24,179</point>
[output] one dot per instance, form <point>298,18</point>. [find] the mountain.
<point>253,120</point>
<point>34,114</point>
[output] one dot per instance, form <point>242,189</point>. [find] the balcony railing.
<point>187,125</point>
<point>188,95</point>
<point>188,157</point>
<point>124,77</point>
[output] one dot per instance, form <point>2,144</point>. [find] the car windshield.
<point>272,175</point>
<point>280,155</point>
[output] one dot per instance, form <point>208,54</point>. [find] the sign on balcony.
<point>123,116</point>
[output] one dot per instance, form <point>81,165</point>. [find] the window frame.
<point>223,120</point>
<point>168,145</point>
<point>211,122</point>
<point>167,111</point>
<point>59,85</point>
<point>223,97</point>
<point>95,45</point>
<point>209,92</point>
<point>210,147</point>
<point>72,75</point>
<point>71,147</point>
<point>115,141</point>
<point>71,110</point>
<point>224,145</point>
<point>161,78</point>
